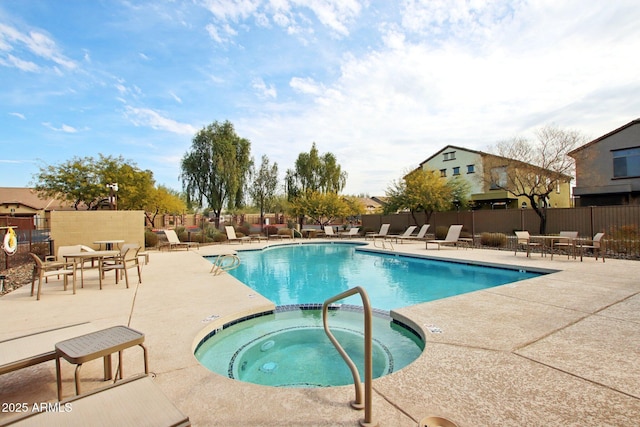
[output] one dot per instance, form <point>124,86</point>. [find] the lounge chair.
<point>524,239</point>
<point>28,350</point>
<point>353,232</point>
<point>135,401</point>
<point>451,239</point>
<point>384,230</point>
<point>408,232</point>
<point>596,245</point>
<point>231,235</point>
<point>328,231</point>
<point>174,242</point>
<point>420,236</point>
<point>46,269</point>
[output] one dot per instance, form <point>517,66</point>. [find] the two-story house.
<point>470,165</point>
<point>608,168</point>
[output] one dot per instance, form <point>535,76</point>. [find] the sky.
<point>382,85</point>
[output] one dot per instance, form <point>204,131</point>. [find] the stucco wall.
<point>86,227</point>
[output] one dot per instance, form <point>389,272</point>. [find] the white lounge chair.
<point>451,239</point>
<point>231,235</point>
<point>420,236</point>
<point>384,230</point>
<point>408,232</point>
<point>328,231</point>
<point>174,241</point>
<point>353,232</point>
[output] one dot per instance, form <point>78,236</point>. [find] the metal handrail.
<point>220,265</point>
<point>368,362</point>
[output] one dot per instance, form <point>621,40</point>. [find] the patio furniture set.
<point>70,259</point>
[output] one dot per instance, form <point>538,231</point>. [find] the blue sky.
<point>383,85</point>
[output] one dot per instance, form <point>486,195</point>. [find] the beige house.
<point>471,166</point>
<point>608,168</point>
<point>21,202</point>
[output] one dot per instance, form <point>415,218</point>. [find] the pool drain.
<point>268,345</point>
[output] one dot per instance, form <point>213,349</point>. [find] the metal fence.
<point>621,224</point>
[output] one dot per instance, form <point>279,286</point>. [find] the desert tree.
<point>264,186</point>
<point>216,169</point>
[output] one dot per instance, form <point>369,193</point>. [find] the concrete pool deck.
<point>560,349</point>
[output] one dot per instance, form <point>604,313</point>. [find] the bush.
<point>150,239</point>
<point>270,230</point>
<point>243,229</point>
<point>285,232</point>
<point>441,232</point>
<point>493,240</point>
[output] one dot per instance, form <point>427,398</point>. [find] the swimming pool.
<point>312,273</point>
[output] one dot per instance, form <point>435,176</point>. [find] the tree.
<point>165,200</point>
<point>315,173</point>
<point>421,190</point>
<point>534,169</point>
<point>217,168</point>
<point>82,182</point>
<point>322,208</point>
<point>263,189</point>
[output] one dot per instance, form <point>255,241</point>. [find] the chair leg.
<point>126,277</point>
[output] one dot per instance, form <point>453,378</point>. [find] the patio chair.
<point>32,349</point>
<point>384,230</point>
<point>328,231</point>
<point>353,232</point>
<point>408,232</point>
<point>524,239</point>
<point>231,235</point>
<point>174,241</point>
<point>420,236</point>
<point>45,269</point>
<point>568,244</point>
<point>596,245</point>
<point>135,401</point>
<point>450,239</point>
<point>122,263</point>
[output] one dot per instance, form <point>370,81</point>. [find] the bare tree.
<point>533,169</point>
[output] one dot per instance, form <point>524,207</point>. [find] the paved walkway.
<point>561,349</point>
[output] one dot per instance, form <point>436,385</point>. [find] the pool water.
<point>290,348</point>
<point>312,273</point>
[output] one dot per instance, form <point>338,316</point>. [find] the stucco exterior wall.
<point>86,227</point>
<point>461,159</point>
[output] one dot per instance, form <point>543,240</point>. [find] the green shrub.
<point>150,239</point>
<point>493,240</point>
<point>243,229</point>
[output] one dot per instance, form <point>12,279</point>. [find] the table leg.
<point>108,370</point>
<point>146,359</point>
<point>78,379</point>
<point>100,271</point>
<point>58,378</point>
<point>120,369</point>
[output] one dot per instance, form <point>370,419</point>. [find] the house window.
<point>498,178</point>
<point>451,155</point>
<point>626,163</point>
<point>456,170</point>
<point>443,173</point>
<point>471,169</point>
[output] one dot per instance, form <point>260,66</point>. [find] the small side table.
<point>97,344</point>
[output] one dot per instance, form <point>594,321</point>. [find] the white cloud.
<point>18,115</point>
<point>36,42</point>
<point>64,128</point>
<point>264,91</point>
<point>150,118</point>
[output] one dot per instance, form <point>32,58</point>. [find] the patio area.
<point>560,349</point>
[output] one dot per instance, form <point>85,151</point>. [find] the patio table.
<point>108,244</point>
<point>550,239</point>
<point>81,257</point>
<point>97,344</point>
